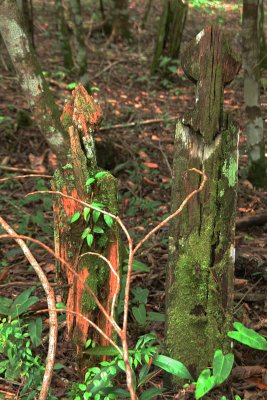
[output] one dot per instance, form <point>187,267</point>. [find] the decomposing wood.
<point>201,242</point>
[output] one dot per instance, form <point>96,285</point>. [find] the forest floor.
<point>141,158</point>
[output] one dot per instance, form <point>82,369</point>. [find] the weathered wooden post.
<point>201,243</point>
<point>89,232</point>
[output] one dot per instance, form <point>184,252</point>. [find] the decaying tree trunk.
<point>63,35</point>
<point>201,243</point>
<point>251,63</point>
<point>30,76</point>
<point>171,26</point>
<point>80,117</point>
<point>81,52</point>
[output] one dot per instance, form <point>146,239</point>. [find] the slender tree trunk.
<point>171,26</point>
<point>81,51</point>
<point>251,63</point>
<point>26,10</point>
<point>63,35</point>
<point>120,19</point>
<point>31,79</point>
<point>199,292</point>
<point>262,38</point>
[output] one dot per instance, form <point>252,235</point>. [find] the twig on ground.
<point>5,168</point>
<point>133,124</point>
<point>50,360</point>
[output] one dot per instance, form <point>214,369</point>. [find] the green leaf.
<point>155,316</point>
<point>248,336</point>
<point>89,239</point>
<point>22,302</point>
<point>96,215</point>
<point>172,366</point>
<point>108,220</point>
<point>102,351</point>
<point>140,295</point>
<point>222,366</point>
<point>100,174</point>
<point>82,387</point>
<point>58,366</point>
<point>86,232</point>
<point>97,205</point>
<point>89,181</point>
<point>139,314</point>
<point>205,383</point>
<point>75,217</point>
<point>5,304</point>
<point>150,393</point>
<point>86,214</point>
<point>35,331</point>
<point>98,229</point>
<point>72,85</point>
<point>137,266</point>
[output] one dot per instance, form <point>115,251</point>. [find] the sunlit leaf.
<point>205,383</point>
<point>172,366</point>
<point>75,217</point>
<point>222,366</point>
<point>248,336</point>
<point>108,220</point>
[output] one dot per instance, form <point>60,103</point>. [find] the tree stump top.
<point>210,63</point>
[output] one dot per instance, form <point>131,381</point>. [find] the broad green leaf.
<point>5,304</point>
<point>72,85</point>
<point>223,398</point>
<point>35,331</point>
<point>86,232</point>
<point>75,217</point>
<point>82,387</point>
<point>139,314</point>
<point>140,295</point>
<point>100,174</point>
<point>97,205</point>
<point>108,220</point>
<point>172,366</point>
<point>150,393</point>
<point>137,266</point>
<point>89,239</point>
<point>98,229</point>
<point>222,366</point>
<point>205,383</point>
<point>102,351</point>
<point>89,181</point>
<point>248,336</point>
<point>86,213</point>
<point>155,316</point>
<point>21,308</point>
<point>96,215</point>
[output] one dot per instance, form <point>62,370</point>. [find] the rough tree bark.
<point>29,74</point>
<point>63,35</point>
<point>171,26</point>
<point>251,63</point>
<point>199,285</point>
<point>80,117</point>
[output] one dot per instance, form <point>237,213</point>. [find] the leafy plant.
<point>222,366</point>
<point>248,336</point>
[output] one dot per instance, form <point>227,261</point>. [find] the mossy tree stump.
<point>201,243</point>
<point>80,117</point>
